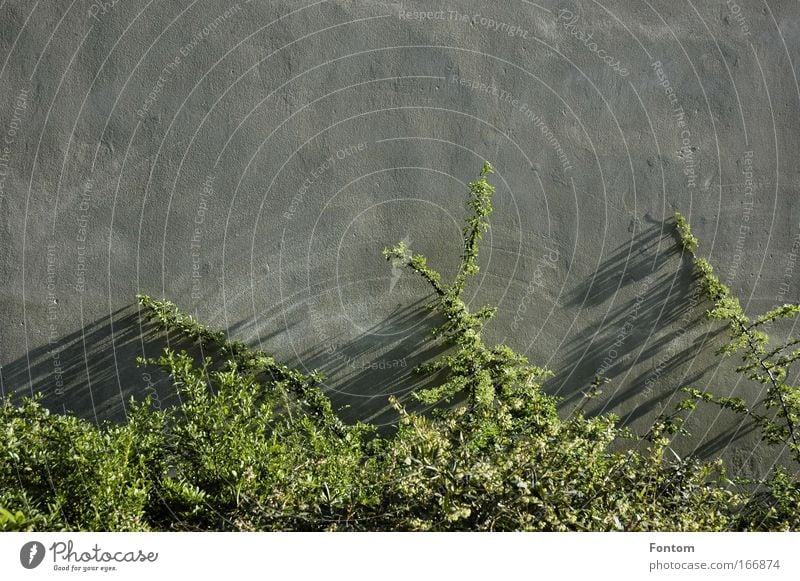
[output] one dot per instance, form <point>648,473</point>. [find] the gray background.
<point>187,144</point>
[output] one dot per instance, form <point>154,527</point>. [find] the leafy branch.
<point>761,363</point>
<point>243,360</point>
<point>482,372</point>
<point>255,445</point>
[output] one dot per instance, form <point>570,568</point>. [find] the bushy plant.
<point>774,406</point>
<point>256,445</point>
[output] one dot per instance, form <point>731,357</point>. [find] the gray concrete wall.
<point>250,160</point>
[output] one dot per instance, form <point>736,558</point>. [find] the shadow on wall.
<point>655,334</point>
<point>92,372</point>
<point>98,373</point>
<point>362,373</point>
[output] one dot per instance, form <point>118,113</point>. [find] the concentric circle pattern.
<point>250,160</point>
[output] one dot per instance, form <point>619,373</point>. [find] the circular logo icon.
<point>31,554</point>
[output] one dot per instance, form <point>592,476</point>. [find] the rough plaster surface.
<point>250,160</point>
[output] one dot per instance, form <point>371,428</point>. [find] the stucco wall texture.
<point>250,160</point>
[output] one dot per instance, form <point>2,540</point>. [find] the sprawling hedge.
<point>256,445</point>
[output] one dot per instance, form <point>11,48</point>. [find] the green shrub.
<point>256,445</point>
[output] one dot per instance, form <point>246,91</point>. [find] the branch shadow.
<point>629,333</point>
<point>630,261</point>
<point>92,372</point>
<point>362,373</point>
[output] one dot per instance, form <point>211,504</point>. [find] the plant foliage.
<point>256,445</point>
